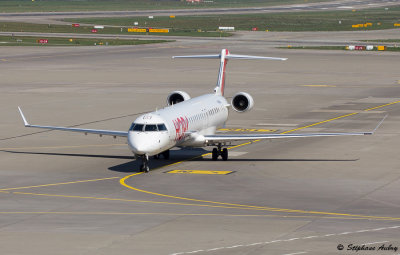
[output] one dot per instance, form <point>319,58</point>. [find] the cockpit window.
<point>161,127</point>
<point>137,127</point>
<point>150,128</point>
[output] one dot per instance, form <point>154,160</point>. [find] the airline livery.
<point>189,122</point>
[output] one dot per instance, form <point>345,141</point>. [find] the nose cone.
<point>150,143</point>
<point>138,144</point>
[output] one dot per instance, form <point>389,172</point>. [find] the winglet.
<point>23,117</point>
<point>377,126</point>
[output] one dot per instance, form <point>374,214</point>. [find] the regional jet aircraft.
<point>189,122</point>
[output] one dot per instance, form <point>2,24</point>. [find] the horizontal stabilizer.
<point>233,56</point>
<point>198,56</point>
<point>229,56</point>
<point>224,57</point>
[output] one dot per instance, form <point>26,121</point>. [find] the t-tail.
<point>224,56</point>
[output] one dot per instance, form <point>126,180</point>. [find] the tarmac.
<point>67,193</point>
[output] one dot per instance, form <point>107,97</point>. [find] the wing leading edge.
<point>229,138</point>
<point>80,130</point>
<point>212,139</point>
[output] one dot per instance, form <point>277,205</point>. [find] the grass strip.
<point>65,41</point>
<point>131,5</point>
<point>334,48</point>
<point>50,28</point>
<point>379,18</point>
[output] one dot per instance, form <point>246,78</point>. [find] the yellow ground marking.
<point>342,116</point>
<point>247,130</point>
<point>333,86</point>
<point>219,204</point>
<point>380,106</point>
<point>123,183</point>
<point>327,215</point>
<point>182,214</point>
<point>3,59</point>
<point>321,122</point>
<point>60,183</point>
<point>62,147</point>
<point>199,172</point>
<point>251,207</point>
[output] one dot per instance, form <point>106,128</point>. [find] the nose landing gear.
<point>144,167</point>
<point>220,152</point>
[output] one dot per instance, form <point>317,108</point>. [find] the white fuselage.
<point>185,122</point>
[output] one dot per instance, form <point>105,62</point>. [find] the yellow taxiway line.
<point>214,203</point>
<point>60,183</point>
<point>321,86</point>
<point>63,147</point>
<point>123,180</point>
<point>253,208</point>
<point>181,214</point>
<point>199,172</point>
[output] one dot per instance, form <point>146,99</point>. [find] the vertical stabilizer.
<point>219,89</point>
<point>224,56</point>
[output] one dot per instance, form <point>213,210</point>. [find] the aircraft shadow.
<point>176,155</point>
<point>69,154</point>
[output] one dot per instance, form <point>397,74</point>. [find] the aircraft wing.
<point>81,130</point>
<point>212,139</point>
<point>229,138</point>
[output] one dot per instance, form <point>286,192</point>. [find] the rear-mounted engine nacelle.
<point>242,102</point>
<point>177,97</point>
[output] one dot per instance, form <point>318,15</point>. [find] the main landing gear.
<point>220,152</point>
<point>144,167</point>
<point>165,155</point>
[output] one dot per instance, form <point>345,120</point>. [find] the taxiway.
<point>64,193</point>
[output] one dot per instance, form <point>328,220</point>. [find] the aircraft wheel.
<point>157,156</point>
<point>224,154</point>
<point>214,154</point>
<point>144,167</point>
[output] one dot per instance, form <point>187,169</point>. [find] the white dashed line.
<point>216,249</point>
<point>194,251</point>
<point>302,252</point>
<point>292,239</point>
<point>375,243</point>
<point>378,229</point>
<point>309,237</point>
<point>253,244</point>
<point>231,247</point>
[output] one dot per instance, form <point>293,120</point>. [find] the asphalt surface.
<point>67,193</point>
<point>271,39</point>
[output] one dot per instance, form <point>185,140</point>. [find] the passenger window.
<point>161,127</point>
<point>137,127</point>
<point>150,128</point>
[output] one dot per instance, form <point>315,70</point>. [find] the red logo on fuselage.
<point>181,126</point>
